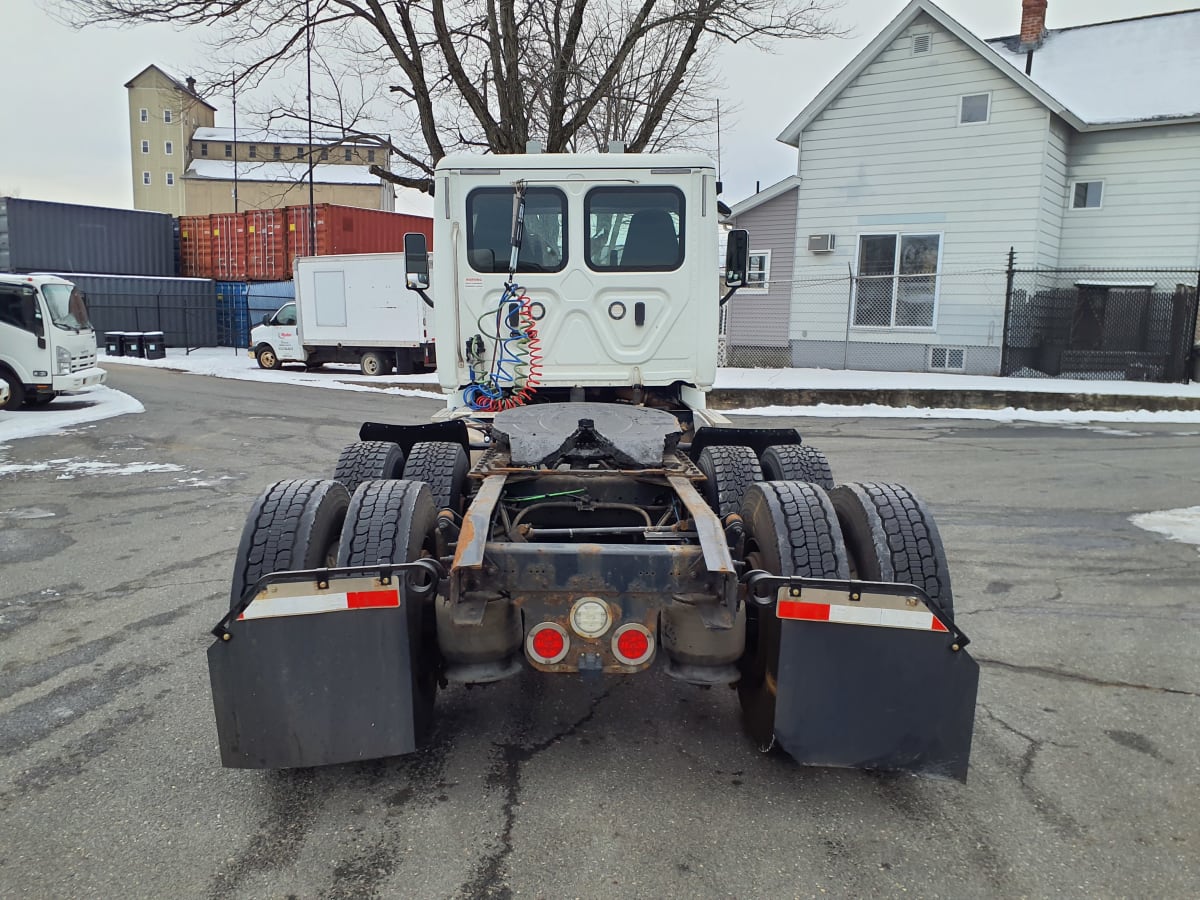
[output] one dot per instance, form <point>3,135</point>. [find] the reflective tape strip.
<point>267,607</point>
<point>921,620</point>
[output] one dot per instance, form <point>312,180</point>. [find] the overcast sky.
<point>63,104</point>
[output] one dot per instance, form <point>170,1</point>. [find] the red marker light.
<point>633,644</point>
<point>547,643</point>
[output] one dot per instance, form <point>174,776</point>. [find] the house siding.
<point>888,155</point>
<point>1150,209</point>
<point>760,319</point>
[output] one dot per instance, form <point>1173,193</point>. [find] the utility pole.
<point>312,219</point>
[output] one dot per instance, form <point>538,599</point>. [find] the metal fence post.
<point>1008,299</point>
<point>849,313</point>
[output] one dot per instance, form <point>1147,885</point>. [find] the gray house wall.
<point>758,318</point>
<point>1150,209</point>
<point>888,155</point>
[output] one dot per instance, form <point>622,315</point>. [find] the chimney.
<point>1033,24</point>
<point>191,82</point>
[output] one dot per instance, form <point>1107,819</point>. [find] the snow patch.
<point>1007,415</point>
<point>65,412</point>
<point>1181,525</point>
<point>72,468</point>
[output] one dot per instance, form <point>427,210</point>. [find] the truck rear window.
<point>634,229</point>
<point>489,230</point>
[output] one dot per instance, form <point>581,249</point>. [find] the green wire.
<point>547,496</point>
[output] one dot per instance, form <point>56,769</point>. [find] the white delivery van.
<point>47,345</point>
<point>351,308</point>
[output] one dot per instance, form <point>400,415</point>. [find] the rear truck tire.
<point>267,357</point>
<point>368,461</point>
<point>294,524</point>
<point>891,536</point>
<point>443,466</point>
<point>394,522</point>
<point>791,529</point>
<point>16,390</point>
<point>728,472</point>
<point>373,363</point>
<point>404,362</point>
<point>797,462</point>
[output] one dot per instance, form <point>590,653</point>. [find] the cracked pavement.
<point>1084,771</point>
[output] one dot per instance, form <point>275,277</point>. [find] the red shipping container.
<point>195,247</point>
<point>228,231</point>
<point>266,245</point>
<point>348,229</point>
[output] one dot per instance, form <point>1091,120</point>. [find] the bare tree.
<point>491,74</point>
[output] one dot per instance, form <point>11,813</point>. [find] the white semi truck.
<point>576,509</point>
<point>47,344</point>
<point>350,308</point>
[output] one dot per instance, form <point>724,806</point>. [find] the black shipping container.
<point>37,236</point>
<point>184,310</point>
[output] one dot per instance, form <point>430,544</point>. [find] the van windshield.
<point>67,306</point>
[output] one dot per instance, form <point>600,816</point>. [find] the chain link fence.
<point>1132,324</point>
<point>1050,323</point>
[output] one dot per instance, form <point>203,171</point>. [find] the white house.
<point>934,152</point>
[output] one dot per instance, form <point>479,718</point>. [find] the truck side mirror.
<point>267,319</point>
<point>416,262</point>
<point>737,258</point>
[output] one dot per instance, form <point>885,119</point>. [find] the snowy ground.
<point>101,403</point>
<point>225,362</point>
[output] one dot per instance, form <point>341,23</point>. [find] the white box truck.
<point>47,344</point>
<point>351,308</point>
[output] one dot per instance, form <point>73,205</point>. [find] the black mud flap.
<point>310,690</point>
<point>888,699</point>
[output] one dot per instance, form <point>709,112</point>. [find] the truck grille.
<point>83,361</point>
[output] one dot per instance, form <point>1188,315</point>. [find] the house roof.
<point>223,170</point>
<point>178,85</point>
<point>1125,51</point>
<point>1133,70</point>
<point>776,190</point>
<point>278,136</point>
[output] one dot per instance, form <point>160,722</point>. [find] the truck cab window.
<point>286,315</point>
<point>66,305</point>
<point>489,230</point>
<point>634,229</point>
<point>11,312</point>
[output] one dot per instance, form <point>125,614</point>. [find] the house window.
<point>170,179</point>
<point>300,152</point>
<point>758,276</point>
<point>1087,194</point>
<point>143,115</point>
<point>324,153</point>
<point>228,151</point>
<point>277,152</point>
<point>168,148</point>
<point>254,151</point>
<point>897,281</point>
<point>949,359</point>
<point>974,109</point>
<point>922,43</point>
<point>349,154</point>
<point>145,146</point>
<point>204,149</point>
<point>370,156</point>
<point>167,116</point>
<point>145,178</point>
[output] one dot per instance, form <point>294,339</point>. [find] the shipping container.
<point>348,229</point>
<point>184,309</point>
<point>37,236</point>
<point>262,245</point>
<point>242,305</point>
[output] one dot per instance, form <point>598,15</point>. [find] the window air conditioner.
<point>821,243</point>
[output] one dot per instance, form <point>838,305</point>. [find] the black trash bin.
<point>153,345</point>
<point>133,343</point>
<point>114,343</point>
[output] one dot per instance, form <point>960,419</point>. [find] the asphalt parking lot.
<point>1084,772</point>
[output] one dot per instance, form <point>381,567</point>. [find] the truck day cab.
<point>350,308</point>
<point>47,344</point>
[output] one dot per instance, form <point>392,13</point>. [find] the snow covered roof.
<point>222,169</point>
<point>1131,70</point>
<point>276,136</point>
